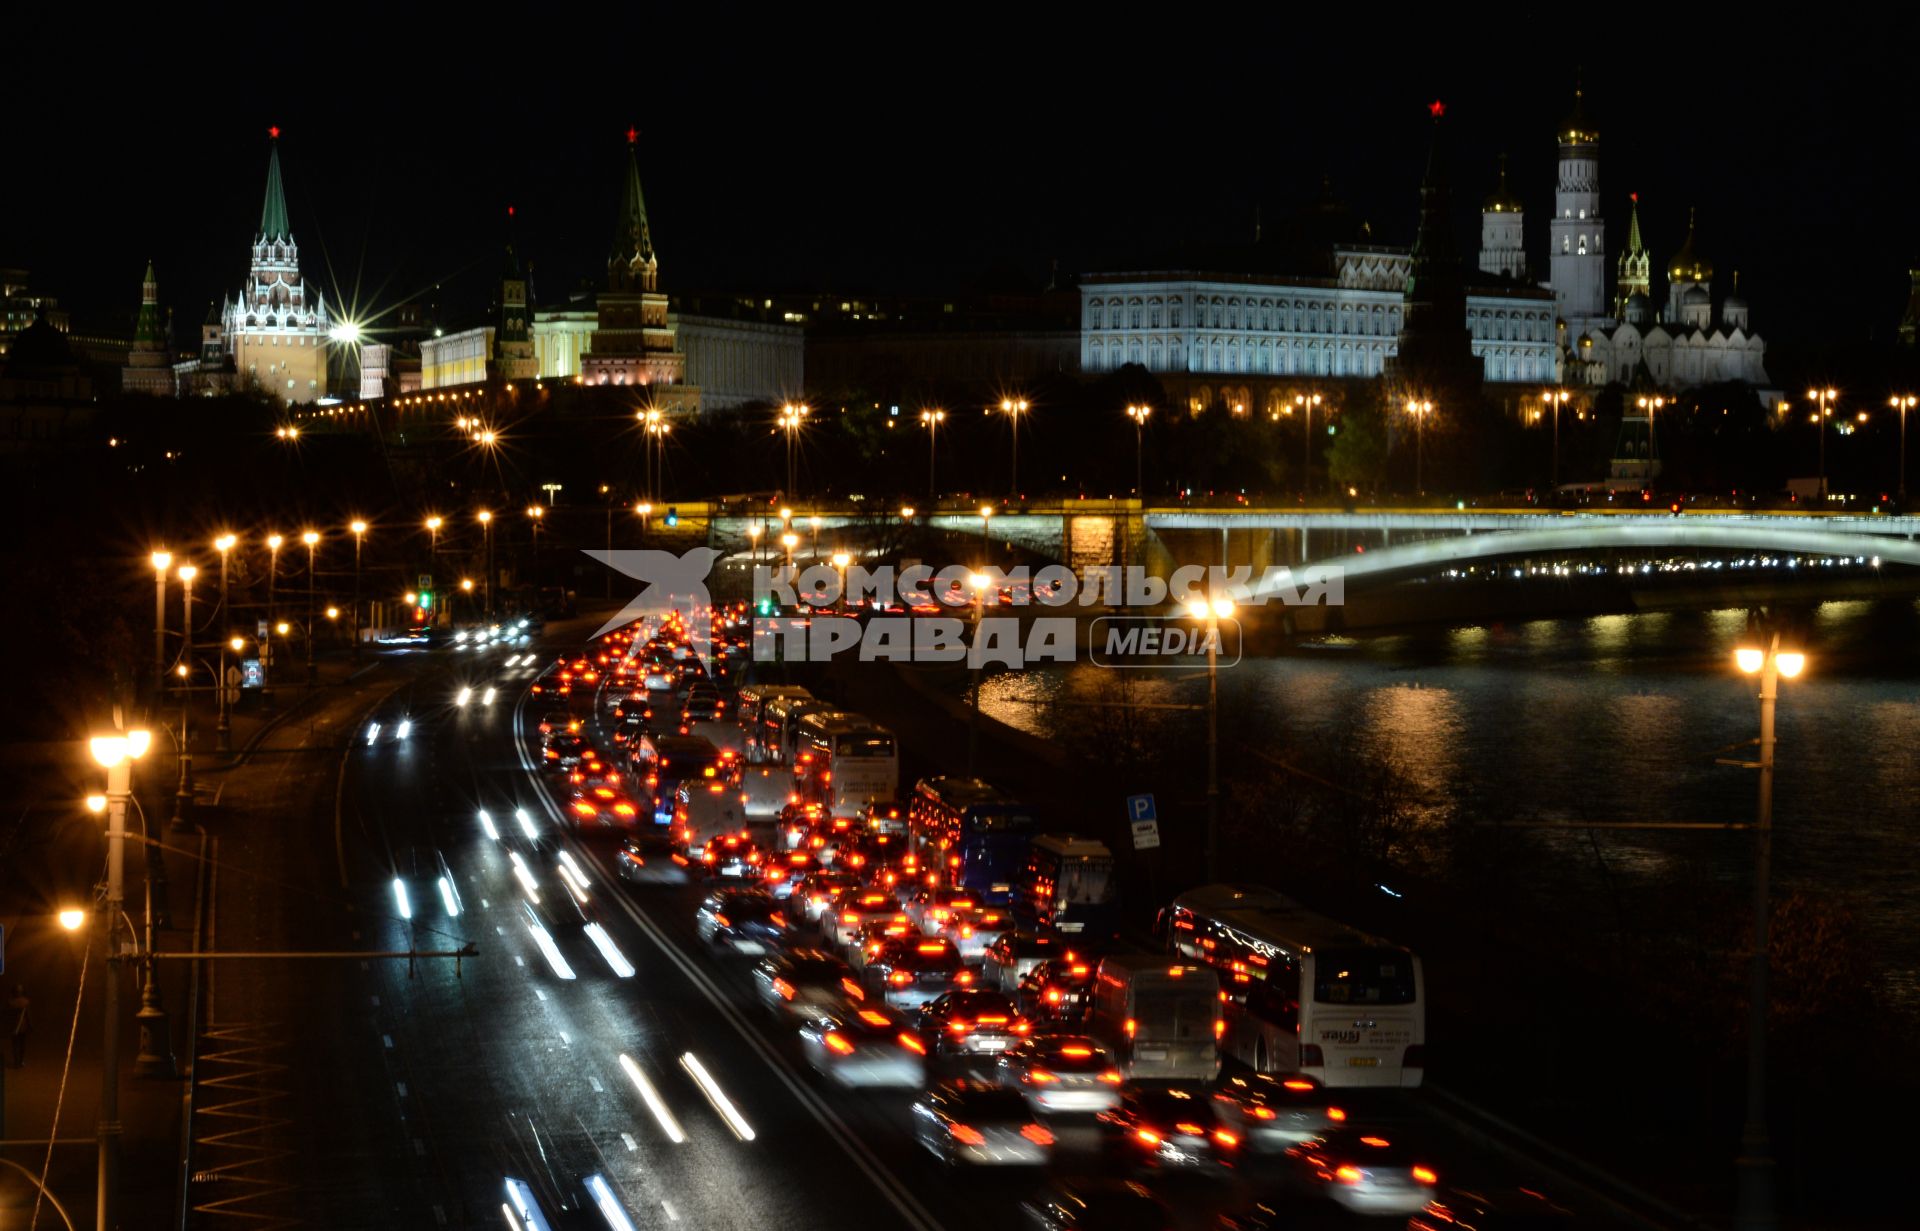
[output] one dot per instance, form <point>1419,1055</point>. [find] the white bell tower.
<point>1577,263</point>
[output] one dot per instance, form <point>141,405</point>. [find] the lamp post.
<point>1822,400</point>
<point>535,513</point>
<point>1556,400</point>
<point>183,797</point>
<point>359,529</point>
<point>661,431</point>
<point>790,418</point>
<point>1651,405</point>
<point>986,515</point>
<point>840,562</point>
<point>647,417</point>
<point>312,540</point>
<point>266,643</point>
<point>1306,402</point>
<point>789,540</point>
<point>754,530</point>
<point>606,497</point>
<point>161,560</point>
<point>1419,409</point>
<point>1014,408</point>
<point>486,531</point>
<point>116,753</point>
<point>1760,654</point>
<point>1211,611</point>
<point>1139,416</point>
<point>932,419</point>
<point>1903,403</point>
<point>434,522</point>
<point>223,730</point>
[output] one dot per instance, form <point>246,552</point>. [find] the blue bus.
<point>1068,886</point>
<point>975,832</point>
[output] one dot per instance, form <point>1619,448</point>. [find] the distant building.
<point>46,394</point>
<point>150,366</point>
<point>562,334</point>
<point>633,342</point>
<point>275,330</point>
<point>21,307</point>
<point>893,346</point>
<point>739,358</point>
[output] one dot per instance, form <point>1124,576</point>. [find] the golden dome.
<point>1577,129</point>
<point>1686,265</point>
<point>1501,200</point>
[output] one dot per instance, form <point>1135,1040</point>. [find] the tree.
<point>1358,455</point>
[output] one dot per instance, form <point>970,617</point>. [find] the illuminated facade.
<point>275,331</point>
<point>633,341</point>
<point>461,358</point>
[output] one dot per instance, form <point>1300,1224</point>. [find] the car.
<point>424,886</point>
<point>1167,1127</point>
<point>389,727</point>
<point>555,898</point>
<point>740,920</point>
<point>1367,1171</point>
<point>860,1045</point>
<point>730,856</point>
<point>875,933</point>
<point>600,805</point>
<point>841,920</point>
<point>1272,1111</point>
<point>1096,1205</point>
<point>558,722</point>
<point>1491,1209</point>
<point>648,858</point>
<point>975,929</point>
<point>804,984</point>
<point>1058,990</point>
<point>1062,1073</point>
<point>815,892</point>
<point>971,1022</point>
<point>780,871</point>
<point>1013,954</point>
<point>966,1120</point>
<point>907,973</point>
<point>930,906</point>
<point>563,752</point>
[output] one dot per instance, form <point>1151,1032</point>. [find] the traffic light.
<point>673,517</point>
<point>765,605</point>
<point>426,600</point>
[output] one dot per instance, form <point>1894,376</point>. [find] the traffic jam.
<point>936,945</point>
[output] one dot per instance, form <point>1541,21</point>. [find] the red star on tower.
<point>1437,108</point>
<point>274,132</point>
<point>633,135</point>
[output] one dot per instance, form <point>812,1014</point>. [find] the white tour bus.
<point>843,762</point>
<point>1310,995</point>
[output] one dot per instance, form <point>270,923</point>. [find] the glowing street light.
<point>931,420</point>
<point>1556,399</point>
<point>161,561</point>
<point>1013,408</point>
<point>1306,402</point>
<point>790,418</point>
<point>1419,409</point>
<point>72,918</point>
<point>1139,416</point>
<point>1903,403</point>
<point>312,540</point>
<point>224,730</point>
<point>486,528</point>
<point>1823,400</point>
<point>116,752</point>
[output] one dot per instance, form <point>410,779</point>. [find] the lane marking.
<point>631,1144</point>
<point>402,1087</point>
<point>668,1207</point>
<point>595,1083</point>
<point>387,1039</point>
<point>565,1039</point>
<point>655,1104</point>
<point>518,960</point>
<point>857,1151</point>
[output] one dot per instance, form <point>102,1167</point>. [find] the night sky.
<point>926,150</point>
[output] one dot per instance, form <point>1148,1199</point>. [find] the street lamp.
<point>1212,611</point>
<point>162,561</point>
<point>224,730</point>
<point>266,644</point>
<point>789,420</point>
<point>754,530</point>
<point>1823,400</point>
<point>1759,653</point>
<point>1014,408</point>
<point>1306,402</point>
<point>359,529</point>
<point>1556,399</point>
<point>183,797</point>
<point>789,540</point>
<point>312,540</point>
<point>986,515</point>
<point>536,513</point>
<point>486,530</point>
<point>116,753</point>
<point>1139,416</point>
<point>1651,405</point>
<point>1419,410</point>
<point>1903,403</point>
<point>932,419</point>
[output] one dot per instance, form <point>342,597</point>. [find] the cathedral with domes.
<point>1686,341</point>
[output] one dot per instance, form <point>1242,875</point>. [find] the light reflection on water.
<point>1617,718</point>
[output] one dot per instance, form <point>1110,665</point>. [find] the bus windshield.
<point>1086,882</point>
<point>998,820</point>
<point>1363,976</point>
<point>863,746</point>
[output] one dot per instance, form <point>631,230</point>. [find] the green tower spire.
<point>273,214</point>
<point>149,331</point>
<point>632,260</point>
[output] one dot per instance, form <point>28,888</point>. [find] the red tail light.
<point>1219,1027</point>
<point>1111,1077</point>
<point>912,1044</point>
<point>1297,1083</point>
<point>964,977</point>
<point>1311,1056</point>
<point>838,1042</point>
<point>1262,1113</point>
<point>1349,1174</point>
<point>784,988</point>
<point>1225,1138</point>
<point>899,978</point>
<point>959,1025</point>
<point>1037,1134</point>
<point>1336,1114</point>
<point>967,1136</point>
<point>1425,1175</point>
<point>1147,1136</point>
<point>1039,1077</point>
<point>1130,1027</point>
